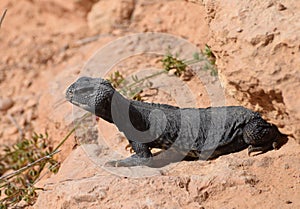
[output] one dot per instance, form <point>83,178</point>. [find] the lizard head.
<point>91,94</point>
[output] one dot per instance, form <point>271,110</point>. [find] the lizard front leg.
<point>262,149</point>
<point>142,156</point>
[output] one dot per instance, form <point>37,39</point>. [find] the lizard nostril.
<point>69,93</point>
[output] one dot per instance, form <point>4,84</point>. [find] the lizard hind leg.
<point>133,160</point>
<point>260,135</point>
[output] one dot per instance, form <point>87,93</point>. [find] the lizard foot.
<point>255,149</point>
<point>261,149</point>
<point>128,162</point>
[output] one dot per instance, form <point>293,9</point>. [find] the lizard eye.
<point>85,90</point>
<point>69,93</point>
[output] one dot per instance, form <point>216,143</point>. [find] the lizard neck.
<point>113,108</point>
<point>126,113</point>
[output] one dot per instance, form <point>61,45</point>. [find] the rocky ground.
<point>46,44</point>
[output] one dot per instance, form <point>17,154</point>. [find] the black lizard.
<point>203,133</point>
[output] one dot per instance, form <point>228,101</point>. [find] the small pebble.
<point>5,104</point>
<point>11,130</point>
<point>117,32</point>
<point>158,21</point>
<point>29,114</point>
<point>16,110</point>
<point>286,166</point>
<point>264,162</point>
<point>22,121</point>
<point>270,4</point>
<point>172,72</point>
<point>57,125</point>
<point>27,83</point>
<point>31,103</point>
<point>281,7</point>
<point>239,30</point>
<point>187,75</point>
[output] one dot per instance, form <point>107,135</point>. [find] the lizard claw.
<point>255,149</point>
<point>112,163</point>
<point>275,145</point>
<point>261,149</point>
<point>250,150</point>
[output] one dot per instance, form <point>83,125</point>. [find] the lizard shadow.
<point>161,159</point>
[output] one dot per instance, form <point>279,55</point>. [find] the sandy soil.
<point>45,44</point>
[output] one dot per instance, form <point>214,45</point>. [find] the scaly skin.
<point>199,133</point>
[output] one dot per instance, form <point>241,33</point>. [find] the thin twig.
<point>8,176</point>
<point>2,17</point>
<point>39,178</point>
<point>13,120</point>
<point>89,39</point>
<point>73,130</point>
<point>146,78</point>
<point>59,102</point>
<point>55,151</point>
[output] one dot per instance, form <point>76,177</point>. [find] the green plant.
<point>171,62</point>
<point>27,158</point>
<point>131,90</point>
<point>211,64</point>
<point>209,54</point>
<point>116,79</point>
<point>213,70</point>
<point>25,161</point>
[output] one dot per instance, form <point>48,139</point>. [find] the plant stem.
<point>69,134</point>
<point>147,77</point>
<point>190,62</point>
<point>8,176</point>
<point>55,151</point>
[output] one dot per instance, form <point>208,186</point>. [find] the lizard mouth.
<point>81,105</point>
<point>69,97</point>
<point>75,99</point>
